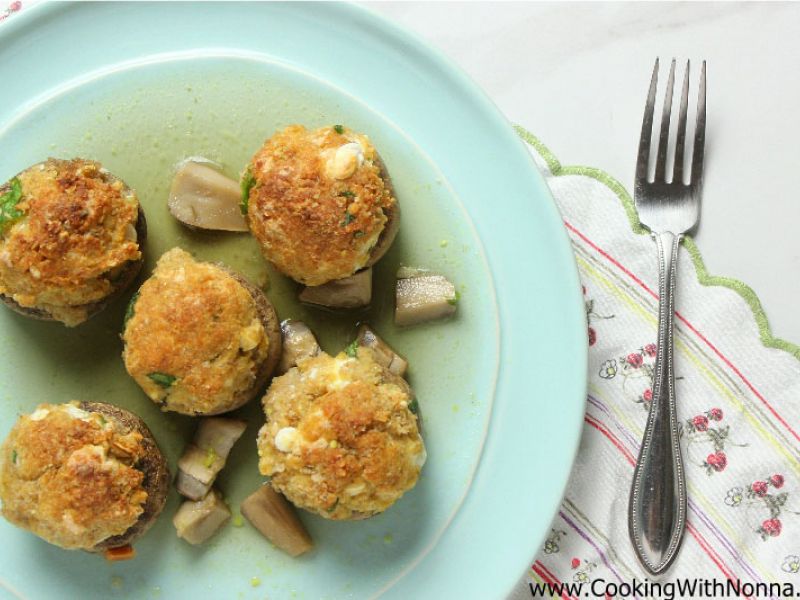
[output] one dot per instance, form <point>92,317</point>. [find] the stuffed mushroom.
<point>84,476</point>
<point>71,235</point>
<point>341,439</point>
<point>199,338</point>
<point>320,203</point>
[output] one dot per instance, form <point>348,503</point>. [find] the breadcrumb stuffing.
<point>319,202</point>
<point>76,233</point>
<point>340,439</point>
<point>70,476</point>
<point>194,340</point>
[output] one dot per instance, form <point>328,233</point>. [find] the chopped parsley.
<point>130,310</point>
<point>211,456</point>
<point>347,194</point>
<point>454,300</point>
<point>348,218</point>
<point>338,129</point>
<point>162,379</point>
<point>358,234</point>
<point>14,456</point>
<point>414,406</point>
<point>352,349</point>
<point>248,181</point>
<point>8,205</point>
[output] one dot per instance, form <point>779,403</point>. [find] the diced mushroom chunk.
<point>191,487</point>
<point>351,292</point>
<point>197,470</point>
<point>219,434</point>
<point>205,457</point>
<point>197,521</point>
<point>423,296</point>
<point>383,352</point>
<point>298,342</point>
<point>275,518</point>
<point>203,197</point>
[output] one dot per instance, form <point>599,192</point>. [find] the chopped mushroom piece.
<point>383,352</point>
<point>196,521</point>
<point>275,518</point>
<point>197,470</point>
<point>205,457</point>
<point>203,197</point>
<point>298,342</point>
<point>220,434</point>
<point>351,292</point>
<point>422,296</point>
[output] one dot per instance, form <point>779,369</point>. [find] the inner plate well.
<point>139,121</point>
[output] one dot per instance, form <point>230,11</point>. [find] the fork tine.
<point>680,141</point>
<point>647,129</point>
<point>663,139</point>
<point>700,132</point>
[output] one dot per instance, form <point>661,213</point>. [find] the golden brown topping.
<point>61,478</point>
<point>195,340</point>
<point>74,236</point>
<point>319,202</point>
<point>340,439</point>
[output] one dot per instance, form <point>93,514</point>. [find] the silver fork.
<point>669,207</point>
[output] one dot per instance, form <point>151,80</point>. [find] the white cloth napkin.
<point>738,391</point>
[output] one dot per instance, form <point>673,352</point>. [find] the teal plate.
<point>140,86</point>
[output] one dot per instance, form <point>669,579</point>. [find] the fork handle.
<point>657,510</point>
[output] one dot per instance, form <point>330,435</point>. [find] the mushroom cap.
<point>320,203</point>
<point>76,244</point>
<point>200,339</point>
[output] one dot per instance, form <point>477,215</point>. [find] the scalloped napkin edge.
<point>557,169</point>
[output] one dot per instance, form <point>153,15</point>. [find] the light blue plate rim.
<point>537,414</point>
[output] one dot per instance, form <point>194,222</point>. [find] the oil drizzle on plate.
<point>140,122</point>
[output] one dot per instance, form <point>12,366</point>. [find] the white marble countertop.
<point>576,75</point>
